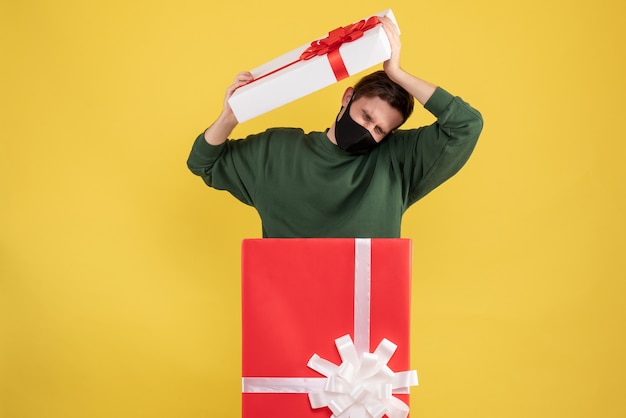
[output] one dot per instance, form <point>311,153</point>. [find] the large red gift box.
<point>299,296</point>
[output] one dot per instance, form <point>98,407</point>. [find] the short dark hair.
<point>378,84</point>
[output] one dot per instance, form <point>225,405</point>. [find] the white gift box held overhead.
<point>296,74</point>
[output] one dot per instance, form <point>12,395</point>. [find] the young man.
<point>358,177</point>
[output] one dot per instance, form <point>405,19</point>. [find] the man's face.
<point>375,115</point>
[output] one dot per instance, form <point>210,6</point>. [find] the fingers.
<point>392,31</point>
<point>390,26</point>
<point>393,34</point>
<point>241,79</point>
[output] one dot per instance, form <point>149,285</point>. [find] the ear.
<point>347,95</point>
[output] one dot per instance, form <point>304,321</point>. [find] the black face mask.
<point>351,136</point>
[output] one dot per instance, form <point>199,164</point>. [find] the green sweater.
<point>303,185</point>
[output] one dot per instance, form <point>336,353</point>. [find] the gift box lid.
<point>288,77</point>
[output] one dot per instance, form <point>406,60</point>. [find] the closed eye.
<point>377,129</point>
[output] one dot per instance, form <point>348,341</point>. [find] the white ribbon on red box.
<point>362,385</point>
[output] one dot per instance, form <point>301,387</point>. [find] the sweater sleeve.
<point>217,167</point>
<point>432,154</point>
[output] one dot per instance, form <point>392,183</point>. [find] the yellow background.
<point>119,269</point>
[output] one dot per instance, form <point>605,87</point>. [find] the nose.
<point>369,125</point>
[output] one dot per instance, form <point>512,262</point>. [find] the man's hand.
<point>420,89</point>
<point>392,65</point>
<point>218,132</point>
<point>242,78</point>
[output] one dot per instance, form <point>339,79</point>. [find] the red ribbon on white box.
<point>329,46</point>
<point>362,385</point>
